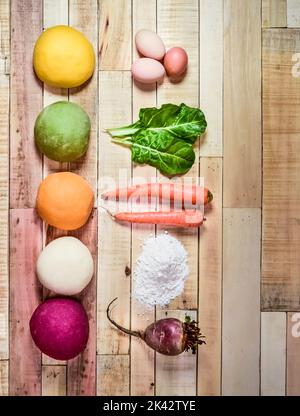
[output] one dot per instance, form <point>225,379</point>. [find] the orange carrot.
<point>187,194</point>
<point>188,218</point>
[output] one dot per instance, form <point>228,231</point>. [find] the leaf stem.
<point>123,131</point>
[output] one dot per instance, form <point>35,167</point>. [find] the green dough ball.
<point>62,131</point>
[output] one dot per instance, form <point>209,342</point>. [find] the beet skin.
<point>166,336</point>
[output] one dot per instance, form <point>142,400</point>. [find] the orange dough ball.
<point>65,200</point>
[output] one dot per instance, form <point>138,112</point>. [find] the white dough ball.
<point>65,266</point>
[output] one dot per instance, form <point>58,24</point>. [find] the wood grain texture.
<point>273,353</point>
<point>241,287</point>
<point>281,164</point>
<point>5,37</point>
<point>115,35</point>
<point>211,75</point>
<point>293,356</point>
<point>83,15</point>
<point>26,103</point>
<point>81,371</point>
<point>54,380</point>
<point>172,16</point>
<point>4,175</point>
<point>25,295</point>
<point>55,12</point>
<point>4,378</point>
<point>293,13</point>
<point>113,375</point>
<point>242,104</point>
<point>176,376</point>
<point>142,363</point>
<point>114,239</point>
<point>210,282</point>
<point>274,13</point>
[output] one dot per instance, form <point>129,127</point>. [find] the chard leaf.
<point>184,122</point>
<point>164,152</point>
<point>179,121</point>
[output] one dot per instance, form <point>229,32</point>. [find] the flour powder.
<point>160,271</point>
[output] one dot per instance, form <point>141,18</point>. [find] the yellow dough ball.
<point>63,57</point>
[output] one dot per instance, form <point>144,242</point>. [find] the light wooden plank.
<point>54,380</point>
<point>81,371</point>
<point>274,13</point>
<point>114,239</point>
<point>141,357</point>
<point>273,353</point>
<point>176,376</point>
<point>4,378</point>
<point>55,12</point>
<point>4,286</point>
<point>83,16</point>
<point>5,37</point>
<point>293,356</point>
<point>241,316</point>
<point>172,18</point>
<point>4,175</point>
<point>113,375</point>
<point>281,164</point>
<point>25,295</point>
<point>242,103</point>
<point>293,13</point>
<point>115,35</point>
<point>26,103</point>
<point>210,282</point>
<point>211,75</point>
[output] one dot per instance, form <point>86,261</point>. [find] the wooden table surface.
<point>244,282</point>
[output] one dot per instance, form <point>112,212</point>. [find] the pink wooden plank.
<point>82,369</point>
<point>26,103</point>
<point>25,295</point>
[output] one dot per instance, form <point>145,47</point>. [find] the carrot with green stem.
<point>173,192</point>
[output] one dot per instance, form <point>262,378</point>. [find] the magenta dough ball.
<point>60,328</point>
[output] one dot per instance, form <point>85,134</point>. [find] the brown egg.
<point>175,61</point>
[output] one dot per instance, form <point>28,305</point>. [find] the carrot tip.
<point>108,212</point>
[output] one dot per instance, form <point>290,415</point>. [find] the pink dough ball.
<point>60,328</point>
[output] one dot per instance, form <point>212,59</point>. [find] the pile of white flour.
<point>160,270</point>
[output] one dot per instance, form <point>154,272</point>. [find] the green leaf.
<point>171,156</point>
<point>180,121</point>
<point>183,122</point>
<point>163,137</point>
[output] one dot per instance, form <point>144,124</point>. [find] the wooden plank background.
<point>244,284</point>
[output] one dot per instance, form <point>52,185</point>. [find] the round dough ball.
<point>65,266</point>
<point>60,328</point>
<point>65,200</point>
<point>63,57</point>
<point>62,131</point>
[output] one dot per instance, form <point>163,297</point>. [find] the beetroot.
<point>168,336</point>
<point>60,328</point>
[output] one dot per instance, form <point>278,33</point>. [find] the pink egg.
<point>149,44</point>
<point>175,61</point>
<point>60,328</point>
<point>147,71</point>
